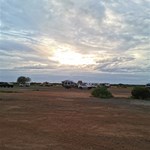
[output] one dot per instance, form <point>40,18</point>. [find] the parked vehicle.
<point>6,85</point>
<point>24,85</point>
<point>68,84</point>
<point>94,85</point>
<point>147,85</point>
<point>107,85</point>
<point>85,86</point>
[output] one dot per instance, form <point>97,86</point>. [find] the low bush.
<point>140,93</point>
<point>101,92</point>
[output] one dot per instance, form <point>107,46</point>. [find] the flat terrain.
<point>59,119</point>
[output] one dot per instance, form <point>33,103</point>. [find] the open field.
<point>54,118</point>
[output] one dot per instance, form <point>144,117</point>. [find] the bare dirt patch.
<point>58,119</point>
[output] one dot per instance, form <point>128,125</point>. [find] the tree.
<point>23,80</point>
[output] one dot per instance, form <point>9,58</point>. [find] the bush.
<point>101,92</point>
<point>140,93</point>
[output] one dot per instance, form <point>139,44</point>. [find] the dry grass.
<point>58,119</point>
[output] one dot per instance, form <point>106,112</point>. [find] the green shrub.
<point>101,92</point>
<point>140,93</point>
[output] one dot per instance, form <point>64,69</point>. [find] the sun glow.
<point>68,57</point>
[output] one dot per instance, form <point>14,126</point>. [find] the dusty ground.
<point>60,119</point>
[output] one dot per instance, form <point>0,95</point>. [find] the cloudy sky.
<point>90,40</point>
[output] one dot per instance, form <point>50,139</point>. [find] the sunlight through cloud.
<point>68,57</point>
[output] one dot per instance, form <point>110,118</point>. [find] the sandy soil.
<point>59,119</point>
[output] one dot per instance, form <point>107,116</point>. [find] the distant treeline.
<point>58,84</point>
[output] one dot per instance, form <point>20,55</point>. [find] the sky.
<point>89,40</point>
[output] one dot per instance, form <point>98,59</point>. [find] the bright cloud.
<point>69,57</point>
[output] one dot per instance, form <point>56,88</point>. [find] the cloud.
<point>11,45</point>
<point>37,66</point>
<point>123,64</point>
<point>114,33</point>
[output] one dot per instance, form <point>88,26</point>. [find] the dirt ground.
<point>59,119</point>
